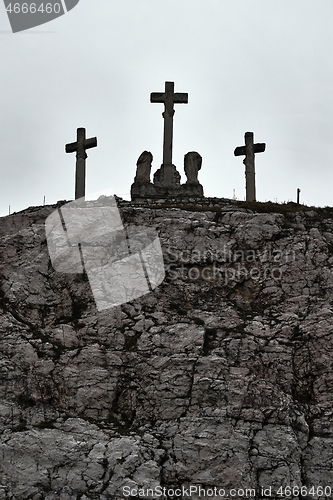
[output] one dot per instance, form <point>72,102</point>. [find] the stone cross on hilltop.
<point>249,150</point>
<point>167,180</point>
<point>168,98</point>
<point>80,147</point>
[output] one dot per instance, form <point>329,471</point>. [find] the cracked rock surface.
<point>219,377</point>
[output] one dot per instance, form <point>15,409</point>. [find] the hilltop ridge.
<point>219,377</point>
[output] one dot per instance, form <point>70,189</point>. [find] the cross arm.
<point>259,148</point>
<point>241,150</point>
<point>90,143</point>
<point>71,148</point>
<point>157,97</point>
<point>178,97</point>
<point>87,144</point>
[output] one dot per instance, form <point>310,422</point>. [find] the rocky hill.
<point>219,379</point>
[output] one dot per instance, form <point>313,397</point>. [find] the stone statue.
<point>192,164</point>
<point>143,167</point>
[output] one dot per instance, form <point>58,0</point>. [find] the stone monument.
<point>167,179</point>
<point>80,147</point>
<point>192,165</point>
<point>249,151</point>
<point>142,187</point>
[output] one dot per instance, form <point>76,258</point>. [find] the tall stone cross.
<point>169,98</point>
<point>249,151</point>
<point>80,147</point>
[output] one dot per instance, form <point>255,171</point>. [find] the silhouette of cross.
<point>249,151</point>
<point>169,98</point>
<point>80,147</point>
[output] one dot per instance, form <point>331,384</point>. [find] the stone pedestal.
<point>148,190</point>
<point>142,190</point>
<point>190,189</point>
<point>167,179</point>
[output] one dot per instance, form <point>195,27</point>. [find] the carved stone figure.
<point>142,187</point>
<point>192,164</point>
<point>143,167</point>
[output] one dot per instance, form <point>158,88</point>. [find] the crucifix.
<point>80,147</point>
<point>249,151</point>
<point>168,98</point>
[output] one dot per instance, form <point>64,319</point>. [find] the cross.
<point>169,98</point>
<point>249,151</point>
<point>80,147</point>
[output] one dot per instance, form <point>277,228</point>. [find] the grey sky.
<point>247,65</point>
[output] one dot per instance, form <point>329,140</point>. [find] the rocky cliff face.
<point>219,378</point>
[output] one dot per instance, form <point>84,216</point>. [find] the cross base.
<point>144,191</point>
<point>167,177</point>
<point>166,185</point>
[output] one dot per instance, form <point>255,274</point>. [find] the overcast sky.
<point>247,65</point>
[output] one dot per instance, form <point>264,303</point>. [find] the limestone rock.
<point>220,377</point>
